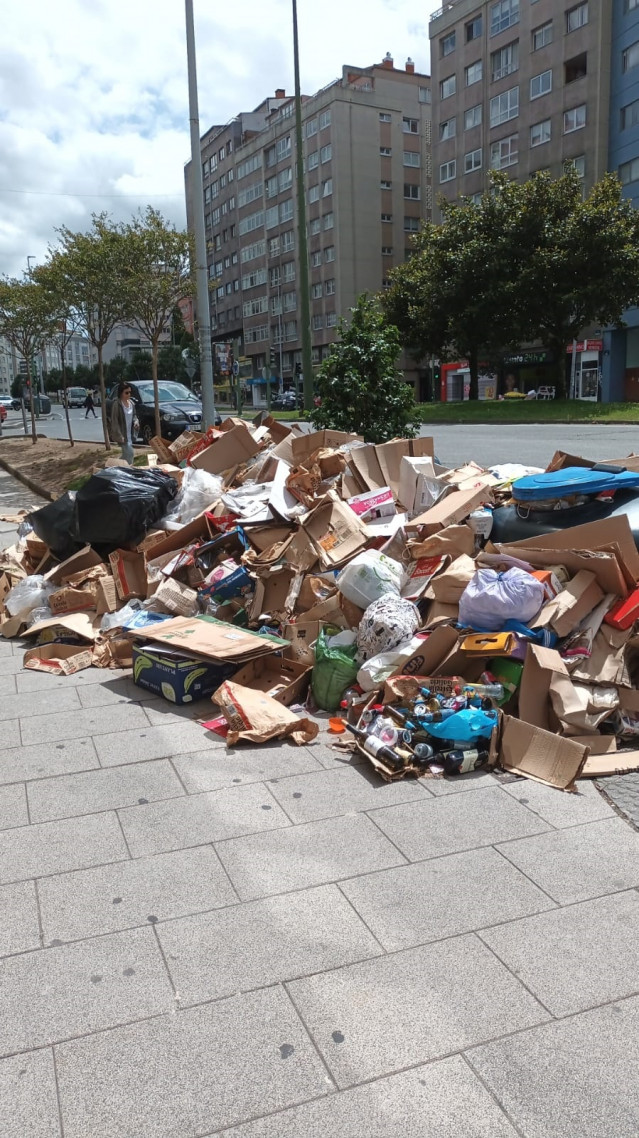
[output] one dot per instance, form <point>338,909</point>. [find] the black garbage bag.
<point>55,525</point>
<point>119,504</point>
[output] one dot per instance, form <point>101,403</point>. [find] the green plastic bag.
<point>333,671</point>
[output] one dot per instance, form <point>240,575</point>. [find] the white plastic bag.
<point>386,623</point>
<point>492,598</point>
<point>376,671</point>
<point>199,490</point>
<point>33,592</point>
<point>370,576</point>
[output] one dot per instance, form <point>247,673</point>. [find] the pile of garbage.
<point>290,576</point>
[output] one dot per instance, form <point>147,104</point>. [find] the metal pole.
<point>305,302</point>
<point>197,206</point>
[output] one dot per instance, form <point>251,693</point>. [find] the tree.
<point>139,368</point>
<point>360,387</point>
<point>114,370</point>
<point>27,320</point>
<point>161,277</point>
<point>92,274</point>
<point>171,364</point>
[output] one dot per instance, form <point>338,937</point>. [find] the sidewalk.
<point>267,943</point>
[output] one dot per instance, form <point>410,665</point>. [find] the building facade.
<point>367,184</point>
<point>78,351</point>
<point>8,366</point>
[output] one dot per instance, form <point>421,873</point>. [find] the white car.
<point>7,401</point>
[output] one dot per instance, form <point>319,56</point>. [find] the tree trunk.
<point>557,346</point>
<point>34,433</point>
<point>64,393</point>
<point>474,374</point>
<point>156,393</point>
<point>105,424</point>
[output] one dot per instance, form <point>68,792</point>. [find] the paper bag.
<point>254,717</point>
<point>447,587</point>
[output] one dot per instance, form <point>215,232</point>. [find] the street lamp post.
<point>305,303</point>
<point>197,205</point>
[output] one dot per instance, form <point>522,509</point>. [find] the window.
<point>288,241</point>
<point>252,280</point>
<point>424,95</point>
<point>215,216</point>
<point>285,179</point>
<point>222,154</point>
<point>331,319</point>
<point>222,180</point>
<point>317,291</point>
<point>313,194</point>
<point>387,250</point>
<point>312,161</point>
<point>630,57</point>
<point>410,126</point>
<point>311,128</point>
<point>574,119</point>
<point>255,307</point>
<point>448,86</point>
<point>540,132</point>
<point>472,117</point>
<point>387,217</point>
<point>318,321</point>
<point>475,199</point>
<point>503,15</point>
<point>384,117</point>
<point>271,217</point>
<point>316,259</point>
<point>286,210</point>
<point>576,17</point>
<point>327,188</point>
<point>540,84</point>
<point>412,193</point>
<point>329,287</point>
<point>474,29</point>
<point>576,68</point>
<point>274,247</point>
<point>234,258</point>
<point>328,220</point>
<point>270,187</point>
<point>472,161</point>
<point>324,119</point>
<point>385,185</point>
<point>249,194</point>
<point>504,61</point>
<point>542,36</point>
<point>249,166</point>
<point>447,44</point>
<point>447,129</point>
<point>412,158</point>
<point>629,172</point>
<point>213,163</point>
<point>215,189</point>
<point>326,153</point>
<point>270,156</point>
<point>289,272</point>
<point>283,148</point>
<point>257,334</point>
<point>329,253</point>
<point>447,171</point>
<point>630,5</point>
<point>274,276</point>
<point>411,224</point>
<point>630,114</point>
<point>504,153</point>
<point>250,252</point>
<point>314,226</point>
<point>578,165</point>
<point>385,152</point>
<point>290,301</point>
<point>473,73</point>
<point>504,107</point>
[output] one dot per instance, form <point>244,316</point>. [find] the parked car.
<point>76,396</point>
<point>180,409</point>
<point>7,402</point>
<point>288,401</point>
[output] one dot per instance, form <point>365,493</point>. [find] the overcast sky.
<point>94,104</point>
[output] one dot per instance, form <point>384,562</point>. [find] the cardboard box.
<point>206,638</point>
<point>282,678</point>
<point>419,473</point>
<point>181,447</point>
<point>106,597</point>
<point>537,754</point>
<point>365,469</point>
<point>80,624</point>
<point>235,447</point>
<point>571,605</point>
<point>176,677</point>
<point>59,659</point>
<point>85,558</point>
<point>613,531</point>
<point>302,639</point>
<point>176,598</point>
<point>273,594</point>
<point>373,504</point>
<point>304,446</point>
<point>603,565</point>
<point>72,600</point>
<point>129,573</point>
<point>336,532</point>
<point>455,507</point>
<point>431,653</point>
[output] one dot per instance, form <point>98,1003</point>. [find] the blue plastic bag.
<point>465,726</point>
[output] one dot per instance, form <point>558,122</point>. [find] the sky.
<point>94,99</point>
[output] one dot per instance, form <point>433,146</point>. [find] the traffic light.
<point>273,358</point>
<point>298,368</point>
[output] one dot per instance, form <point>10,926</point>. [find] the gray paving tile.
<point>582,862</point>
<point>5,647</point>
<point>44,759</point>
<point>569,1079</point>
<point>10,735</point>
<point>13,806</point>
<point>456,822</point>
<point>161,713</point>
<point>327,757</point>
<point>120,896</point>
<point>92,791</point>
<point>475,780</point>
<point>577,957</point>
<point>308,797</point>
<point>426,901</point>
<point>198,818</point>
<point>263,942</point>
<point>441,1100</point>
<point>189,1074</point>
<point>147,742</point>
<point>9,665</point>
<point>47,704</point>
<point>300,856</point>
<point>560,809</point>
<point>214,768</point>
<point>377,1017</point>
<point>28,1099</point>
<point>19,647</point>
<point>19,927</point>
<point>112,691</point>
<point>8,684</point>
<point>39,681</point>
<point>77,724</point>
<point>58,993</point>
<point>55,847</point>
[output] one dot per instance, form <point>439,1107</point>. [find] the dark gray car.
<point>180,409</point>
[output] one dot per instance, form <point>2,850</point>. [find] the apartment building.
<point>367,183</point>
<point>78,351</point>
<point>8,366</point>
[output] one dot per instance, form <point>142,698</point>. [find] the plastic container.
<point>336,726</point>
<point>368,577</point>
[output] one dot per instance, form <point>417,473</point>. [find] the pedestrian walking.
<point>89,406</point>
<point>124,423</point>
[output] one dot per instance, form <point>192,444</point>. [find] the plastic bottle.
<point>485,691</point>
<point>424,751</point>
<point>374,746</point>
<point>461,762</point>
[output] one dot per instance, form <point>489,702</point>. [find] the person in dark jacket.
<point>124,423</point>
<point>89,406</point>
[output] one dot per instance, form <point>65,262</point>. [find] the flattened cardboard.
<point>210,639</point>
<point>71,600</point>
<point>85,558</point>
<point>281,677</point>
<point>236,446</point>
<point>540,668</point>
<point>304,446</point>
<point>539,755</point>
<point>336,532</point>
<point>58,659</point>
<point>593,535</point>
<point>604,566</point>
<point>455,507</point>
<point>434,649</point>
<point>567,610</point>
<point>610,762</point>
<point>272,594</point>
<point>364,465</point>
<point>106,597</point>
<point>176,598</point>
<point>81,624</point>
<point>302,638</point>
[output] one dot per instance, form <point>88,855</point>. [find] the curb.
<point>35,487</point>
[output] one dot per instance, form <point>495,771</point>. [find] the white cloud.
<point>94,105</point>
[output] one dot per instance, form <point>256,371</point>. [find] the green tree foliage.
<point>359,385</point>
<point>114,371</point>
<point>171,364</point>
<point>28,320</point>
<point>139,368</point>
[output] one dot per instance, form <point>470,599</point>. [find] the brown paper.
<point>449,585</point>
<point>539,755</point>
<point>235,447</point>
<point>72,600</point>
<point>174,597</point>
<point>450,510</point>
<point>254,717</point>
<point>567,610</point>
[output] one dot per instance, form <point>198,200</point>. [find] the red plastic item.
<point>625,612</point>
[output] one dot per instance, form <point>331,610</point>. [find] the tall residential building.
<point>367,182</point>
<point>8,366</point>
<point>79,350</point>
